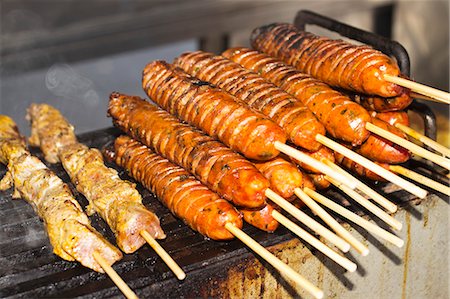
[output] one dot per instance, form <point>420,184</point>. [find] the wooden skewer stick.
<point>384,173</point>
<point>409,145</point>
<point>419,96</point>
<point>367,204</point>
<point>420,179</point>
<point>114,276</point>
<point>292,152</point>
<point>424,139</point>
<point>303,234</point>
<point>420,88</point>
<point>375,196</point>
<point>179,273</point>
<point>369,226</point>
<point>274,261</point>
<point>308,221</point>
<point>340,231</point>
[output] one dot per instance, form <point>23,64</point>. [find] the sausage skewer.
<point>202,209</point>
<point>69,230</point>
<point>343,118</point>
<point>213,164</point>
<point>359,68</point>
<point>297,121</point>
<point>117,201</point>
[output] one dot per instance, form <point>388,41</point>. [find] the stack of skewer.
<point>250,134</point>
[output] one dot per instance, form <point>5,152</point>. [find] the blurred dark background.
<point>73,54</point>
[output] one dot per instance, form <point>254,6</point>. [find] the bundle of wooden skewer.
<point>246,134</point>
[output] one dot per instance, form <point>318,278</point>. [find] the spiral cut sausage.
<point>215,165</point>
<point>343,119</point>
<point>294,117</point>
<point>68,228</point>
<point>392,118</point>
<point>283,176</point>
<point>116,201</point>
<point>212,110</point>
<point>381,150</point>
<point>337,63</point>
<point>203,210</point>
<point>322,153</point>
<point>380,104</point>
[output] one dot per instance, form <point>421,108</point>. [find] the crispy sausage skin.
<point>262,218</point>
<point>337,63</point>
<point>215,165</point>
<point>187,198</point>
<point>379,104</point>
<point>358,169</point>
<point>283,176</point>
<point>382,150</point>
<point>343,119</point>
<point>322,153</point>
<point>392,118</point>
<point>214,111</point>
<point>298,122</point>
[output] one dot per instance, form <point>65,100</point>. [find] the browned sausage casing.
<point>343,119</point>
<point>382,150</point>
<point>214,111</point>
<point>262,218</point>
<point>392,118</point>
<point>379,104</point>
<point>187,198</point>
<point>215,165</point>
<point>360,170</point>
<point>283,176</point>
<point>319,181</point>
<point>298,122</point>
<point>337,63</point>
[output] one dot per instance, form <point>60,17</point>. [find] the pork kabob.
<point>115,200</point>
<point>69,230</point>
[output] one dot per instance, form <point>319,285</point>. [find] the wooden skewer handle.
<point>340,231</point>
<point>421,179</point>
<point>303,234</point>
<point>274,261</point>
<point>409,145</point>
<point>370,227</point>
<point>424,139</point>
<point>368,205</point>
<point>308,221</point>
<point>179,273</point>
<point>375,196</point>
<point>114,276</point>
<point>386,174</point>
<point>292,152</point>
<point>420,88</point>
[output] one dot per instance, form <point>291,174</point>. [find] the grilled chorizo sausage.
<point>343,119</point>
<point>212,110</point>
<point>283,176</point>
<point>392,118</point>
<point>337,63</point>
<point>187,198</point>
<point>261,218</point>
<point>215,165</point>
<point>379,104</point>
<point>381,150</point>
<point>295,118</point>
<point>358,169</point>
